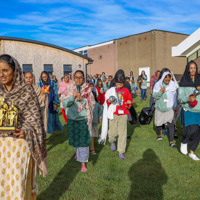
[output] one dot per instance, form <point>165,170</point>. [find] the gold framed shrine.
<point>8,116</point>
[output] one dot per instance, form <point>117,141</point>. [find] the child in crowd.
<point>101,92</point>
<point>109,80</point>
<point>105,84</point>
<point>97,118</point>
<point>118,101</point>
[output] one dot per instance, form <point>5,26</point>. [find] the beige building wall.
<point>150,49</point>
<point>104,58</point>
<point>164,43</point>
<point>134,52</point>
<point>38,55</point>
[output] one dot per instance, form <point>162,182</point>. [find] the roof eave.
<point>45,44</point>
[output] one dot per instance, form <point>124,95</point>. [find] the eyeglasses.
<point>80,77</point>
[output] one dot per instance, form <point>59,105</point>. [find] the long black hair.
<point>95,96</point>
<point>120,76</point>
<point>186,80</point>
<point>126,84</point>
<point>9,60</point>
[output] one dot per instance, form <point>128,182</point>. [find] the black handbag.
<point>146,115</point>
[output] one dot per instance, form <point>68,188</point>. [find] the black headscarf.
<point>186,80</point>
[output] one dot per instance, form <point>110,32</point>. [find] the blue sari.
<point>53,123</point>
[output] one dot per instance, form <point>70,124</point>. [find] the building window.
<point>27,68</point>
<point>48,68</point>
<point>192,57</point>
<point>67,69</point>
<point>100,57</point>
<point>84,53</point>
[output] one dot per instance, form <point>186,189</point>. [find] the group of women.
<point>172,100</point>
<point>23,152</point>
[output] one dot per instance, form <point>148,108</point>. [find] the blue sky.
<point>76,23</point>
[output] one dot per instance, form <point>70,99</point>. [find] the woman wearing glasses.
<point>79,105</point>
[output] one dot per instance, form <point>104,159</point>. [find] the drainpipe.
<point>86,71</point>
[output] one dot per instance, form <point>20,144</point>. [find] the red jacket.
<point>101,97</point>
<point>126,95</point>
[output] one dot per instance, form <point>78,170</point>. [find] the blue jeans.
<point>143,93</point>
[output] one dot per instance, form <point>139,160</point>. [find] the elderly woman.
<point>79,104</point>
<point>23,150</point>
<point>49,88</point>
<point>43,101</point>
<point>190,113</point>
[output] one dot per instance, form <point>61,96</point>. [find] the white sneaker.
<point>193,156</point>
<point>184,149</point>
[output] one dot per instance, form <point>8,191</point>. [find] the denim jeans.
<point>143,93</point>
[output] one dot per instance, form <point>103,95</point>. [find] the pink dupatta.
<point>87,94</point>
<point>63,87</point>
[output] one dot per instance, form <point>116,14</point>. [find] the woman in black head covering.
<point>190,115</point>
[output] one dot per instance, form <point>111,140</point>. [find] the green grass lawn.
<point>151,171</point>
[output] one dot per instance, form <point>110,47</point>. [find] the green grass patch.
<point>151,171</point>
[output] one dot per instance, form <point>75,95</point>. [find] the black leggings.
<point>191,135</point>
<point>171,131</point>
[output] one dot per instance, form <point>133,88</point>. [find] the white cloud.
<point>82,22</point>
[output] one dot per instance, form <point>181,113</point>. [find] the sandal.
<point>83,168</point>
<point>93,152</point>
<point>172,145</point>
<point>113,147</point>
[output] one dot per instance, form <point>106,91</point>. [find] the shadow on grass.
<point>59,138</point>
<point>148,177</point>
<point>130,132</point>
<point>62,181</point>
<point>178,133</point>
<point>98,148</point>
